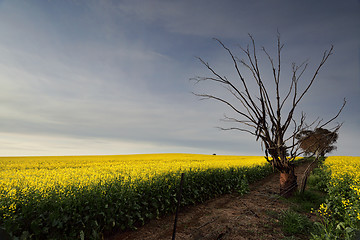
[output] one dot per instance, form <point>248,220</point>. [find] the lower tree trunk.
<point>307,174</point>
<point>288,183</point>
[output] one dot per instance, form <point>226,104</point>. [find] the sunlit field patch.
<point>82,196</point>
<point>344,165</point>
<point>341,212</point>
<point>45,174</point>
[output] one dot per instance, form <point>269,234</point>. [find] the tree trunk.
<point>288,183</point>
<point>307,174</point>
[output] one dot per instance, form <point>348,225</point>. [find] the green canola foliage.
<point>340,213</point>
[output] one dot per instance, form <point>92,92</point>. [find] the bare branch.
<point>208,96</point>
<point>240,97</point>
<point>239,129</point>
<point>332,119</point>
<point>294,80</point>
<point>323,60</point>
<point>254,106</point>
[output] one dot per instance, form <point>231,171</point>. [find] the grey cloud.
<point>123,77</point>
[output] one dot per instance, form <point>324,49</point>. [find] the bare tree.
<point>263,114</point>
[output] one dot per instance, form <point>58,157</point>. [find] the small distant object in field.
<point>214,153</point>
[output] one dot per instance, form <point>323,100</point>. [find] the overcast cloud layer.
<point>112,77</point>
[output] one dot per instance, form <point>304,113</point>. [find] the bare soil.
<point>227,217</point>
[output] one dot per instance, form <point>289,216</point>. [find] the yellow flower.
<point>48,175</point>
<point>323,210</point>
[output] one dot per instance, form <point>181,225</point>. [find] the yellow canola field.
<point>345,165</point>
<point>345,173</point>
<point>49,174</point>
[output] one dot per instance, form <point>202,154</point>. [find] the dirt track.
<point>228,217</point>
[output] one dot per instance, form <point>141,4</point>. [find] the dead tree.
<point>263,114</point>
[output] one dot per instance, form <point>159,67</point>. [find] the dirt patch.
<point>251,216</point>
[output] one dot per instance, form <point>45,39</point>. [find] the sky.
<point>112,77</point>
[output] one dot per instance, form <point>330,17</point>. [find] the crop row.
<point>340,214</point>
<point>87,206</point>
